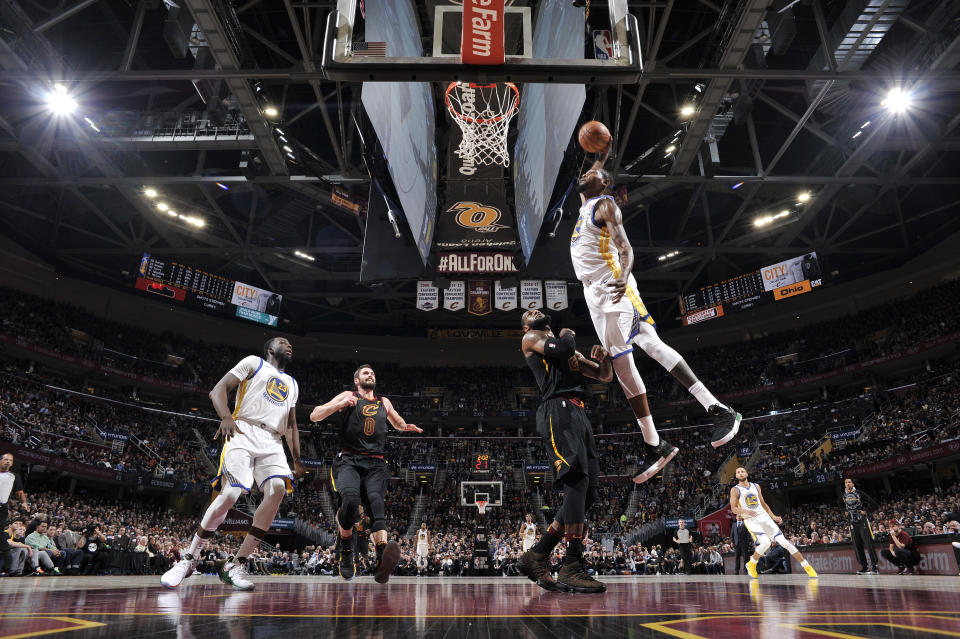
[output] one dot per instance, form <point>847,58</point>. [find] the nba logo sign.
<point>602,45</point>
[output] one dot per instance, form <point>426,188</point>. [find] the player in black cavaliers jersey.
<point>568,437</point>
<point>359,473</point>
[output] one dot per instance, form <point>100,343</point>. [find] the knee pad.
<point>274,487</point>
<point>626,371</point>
<point>785,544</point>
<point>652,345</point>
<point>763,545</point>
<point>349,508</point>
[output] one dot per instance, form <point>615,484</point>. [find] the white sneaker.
<point>180,571</point>
<point>236,576</point>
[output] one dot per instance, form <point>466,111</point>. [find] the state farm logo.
<point>477,217</point>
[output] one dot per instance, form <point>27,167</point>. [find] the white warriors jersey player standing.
<point>252,454</point>
<point>423,547</point>
<point>746,500</point>
<point>603,261</point>
<point>528,533</point>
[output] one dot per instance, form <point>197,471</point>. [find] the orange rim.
<point>473,85</point>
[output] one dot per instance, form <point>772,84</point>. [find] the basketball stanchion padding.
<point>483,113</point>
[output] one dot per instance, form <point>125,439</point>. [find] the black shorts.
<point>364,473</point>
<point>568,438</point>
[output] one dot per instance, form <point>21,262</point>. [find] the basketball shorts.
<point>617,324</point>
<point>568,437</point>
<point>369,475</point>
<point>252,456</point>
<point>528,543</point>
<point>423,551</point>
<point>762,525</point>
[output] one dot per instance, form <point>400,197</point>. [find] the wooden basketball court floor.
<point>782,607</point>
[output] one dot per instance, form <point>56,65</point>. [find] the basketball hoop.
<point>482,505</point>
<point>483,113</point>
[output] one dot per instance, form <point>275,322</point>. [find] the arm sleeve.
<point>561,348</point>
<point>246,367</point>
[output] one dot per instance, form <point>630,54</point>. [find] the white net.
<point>483,113</point>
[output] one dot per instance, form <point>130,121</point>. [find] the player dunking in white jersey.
<point>423,548</point>
<point>528,533</point>
<point>252,453</point>
<point>747,501</point>
<point>603,261</point>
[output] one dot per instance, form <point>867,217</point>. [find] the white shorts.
<point>528,543</point>
<point>253,456</point>
<point>762,525</point>
<point>423,551</point>
<point>616,324</point>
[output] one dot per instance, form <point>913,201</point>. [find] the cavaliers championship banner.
<point>480,294</point>
<point>505,299</point>
<point>454,297</point>
<point>531,294</point>
<point>556,294</point>
<point>428,296</point>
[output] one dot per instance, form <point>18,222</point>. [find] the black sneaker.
<point>574,578</point>
<point>387,563</point>
<point>726,425</point>
<point>533,566</point>
<point>347,568</point>
<point>654,459</point>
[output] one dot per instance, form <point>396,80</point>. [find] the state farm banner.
<point>454,298</point>
<point>531,294</point>
<point>481,40</point>
<point>556,294</point>
<point>476,262</point>
<point>476,216</point>
<point>480,293</point>
<point>792,271</point>
<point>505,299</point>
<point>428,296</point>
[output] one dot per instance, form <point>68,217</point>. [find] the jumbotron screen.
<point>207,291</point>
<point>769,284</point>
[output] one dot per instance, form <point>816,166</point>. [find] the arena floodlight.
<point>897,101</point>
<point>271,111</point>
<point>670,149</point>
<point>687,110</point>
<point>150,192</point>
<point>162,206</point>
<point>60,102</point>
<point>803,197</point>
<point>173,213</point>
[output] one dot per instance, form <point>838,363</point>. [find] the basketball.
<point>594,136</point>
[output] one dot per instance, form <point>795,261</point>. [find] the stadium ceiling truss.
<point>787,99</point>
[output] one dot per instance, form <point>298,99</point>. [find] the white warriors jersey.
<point>594,256</point>
<point>422,536</point>
<point>529,529</point>
<point>264,396</point>
<point>750,499</point>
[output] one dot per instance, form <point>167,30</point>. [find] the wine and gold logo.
<point>477,217</point>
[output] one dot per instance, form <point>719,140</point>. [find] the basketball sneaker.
<point>752,569</point>
<point>235,574</point>
<point>810,571</point>
<point>573,577</point>
<point>345,559</point>
<point>387,562</point>
<point>533,566</point>
<point>654,459</point>
<point>726,425</point>
<point>180,571</point>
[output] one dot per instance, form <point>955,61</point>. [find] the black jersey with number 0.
<point>364,427</point>
<point>554,377</point>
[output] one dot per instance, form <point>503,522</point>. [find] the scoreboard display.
<point>207,291</point>
<point>767,285</point>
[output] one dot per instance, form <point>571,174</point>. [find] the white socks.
<point>196,545</point>
<point>649,430</point>
<point>703,396</point>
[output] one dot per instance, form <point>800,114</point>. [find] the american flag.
<point>369,49</point>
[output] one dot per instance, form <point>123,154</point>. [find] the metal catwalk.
<point>300,607</point>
